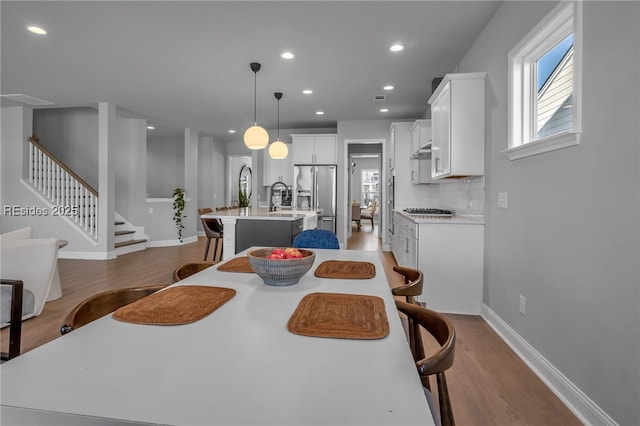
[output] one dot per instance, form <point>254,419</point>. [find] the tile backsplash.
<point>464,195</point>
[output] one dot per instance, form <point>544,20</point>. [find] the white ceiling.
<point>186,64</point>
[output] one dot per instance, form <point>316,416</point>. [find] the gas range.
<point>421,213</point>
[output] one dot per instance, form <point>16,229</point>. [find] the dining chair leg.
<point>206,250</point>
<point>215,250</point>
<point>446,412</point>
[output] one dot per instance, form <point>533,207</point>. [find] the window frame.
<point>564,19</point>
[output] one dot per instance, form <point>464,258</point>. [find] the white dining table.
<point>240,365</point>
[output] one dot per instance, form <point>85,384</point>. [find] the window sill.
<point>550,143</point>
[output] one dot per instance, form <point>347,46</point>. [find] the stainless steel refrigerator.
<point>315,188</point>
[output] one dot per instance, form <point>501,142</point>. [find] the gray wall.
<point>165,166</point>
<point>569,240</point>
<point>71,134</point>
<point>130,157</point>
<point>211,177</point>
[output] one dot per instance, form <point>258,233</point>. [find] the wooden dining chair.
<point>102,304</point>
<point>189,269</point>
<point>12,314</point>
<point>412,288</point>
<point>213,230</point>
<point>370,212</point>
<point>438,326</point>
<point>355,214</point>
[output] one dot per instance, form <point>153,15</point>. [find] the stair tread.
<point>128,243</point>
<point>118,222</point>
<point>124,232</point>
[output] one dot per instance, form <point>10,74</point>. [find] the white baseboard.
<point>587,411</point>
<point>168,243</point>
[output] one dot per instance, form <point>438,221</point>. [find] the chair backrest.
<point>316,238</point>
<point>355,211</point>
<point>104,303</point>
<point>189,269</point>
<point>18,234</point>
<point>371,209</point>
<point>436,364</point>
<point>212,227</point>
<point>413,280</point>
<point>32,261</point>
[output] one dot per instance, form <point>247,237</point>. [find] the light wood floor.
<point>488,383</point>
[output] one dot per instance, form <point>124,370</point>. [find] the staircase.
<point>60,186</point>
<point>125,241</point>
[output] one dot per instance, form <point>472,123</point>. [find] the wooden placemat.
<point>237,264</point>
<point>346,269</point>
<point>175,305</point>
<point>342,316</point>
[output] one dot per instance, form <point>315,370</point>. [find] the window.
<point>544,85</point>
<point>370,182</point>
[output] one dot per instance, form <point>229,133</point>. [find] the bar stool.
<point>213,230</point>
<point>413,279</point>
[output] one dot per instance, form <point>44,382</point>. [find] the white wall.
<point>71,134</point>
<point>211,177</point>
<point>165,166</point>
<point>569,241</point>
<point>130,158</point>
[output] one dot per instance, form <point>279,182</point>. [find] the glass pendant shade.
<point>278,150</point>
<point>255,137</point>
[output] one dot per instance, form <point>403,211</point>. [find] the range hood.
<point>424,153</point>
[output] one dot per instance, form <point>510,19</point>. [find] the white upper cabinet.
<point>314,149</point>
<point>457,114</point>
<point>277,170</point>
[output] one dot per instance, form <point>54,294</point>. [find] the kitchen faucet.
<point>272,207</point>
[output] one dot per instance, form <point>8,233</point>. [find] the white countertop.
<point>237,366</point>
<point>462,219</point>
<point>260,214</point>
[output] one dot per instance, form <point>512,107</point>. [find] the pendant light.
<point>278,150</point>
<point>255,137</point>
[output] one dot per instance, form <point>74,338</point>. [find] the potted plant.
<point>243,200</point>
<point>178,208</point>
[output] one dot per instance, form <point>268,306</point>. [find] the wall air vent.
<point>26,99</point>
<point>380,97</point>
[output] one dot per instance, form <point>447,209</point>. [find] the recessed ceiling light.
<point>36,30</point>
<point>307,91</point>
<point>232,131</point>
<point>384,109</point>
<point>151,128</point>
<point>396,48</point>
<point>388,87</point>
<point>287,55</point>
<point>319,112</point>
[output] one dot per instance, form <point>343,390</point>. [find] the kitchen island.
<point>247,227</point>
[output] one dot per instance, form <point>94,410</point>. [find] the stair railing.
<point>68,193</point>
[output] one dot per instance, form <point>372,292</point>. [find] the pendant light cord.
<point>278,137</point>
<point>255,98</point>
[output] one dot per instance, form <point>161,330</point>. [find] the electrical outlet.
<point>215,195</point>
<point>502,200</point>
<point>150,210</point>
<point>523,305</point>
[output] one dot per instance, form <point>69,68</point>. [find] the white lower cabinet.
<point>451,259</point>
<point>405,241</point>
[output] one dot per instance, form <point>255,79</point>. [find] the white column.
<point>191,182</point>
<point>107,131</point>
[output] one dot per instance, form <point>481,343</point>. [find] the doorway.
<point>369,153</point>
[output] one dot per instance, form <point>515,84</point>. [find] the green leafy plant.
<point>178,208</point>
<point>243,200</point>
